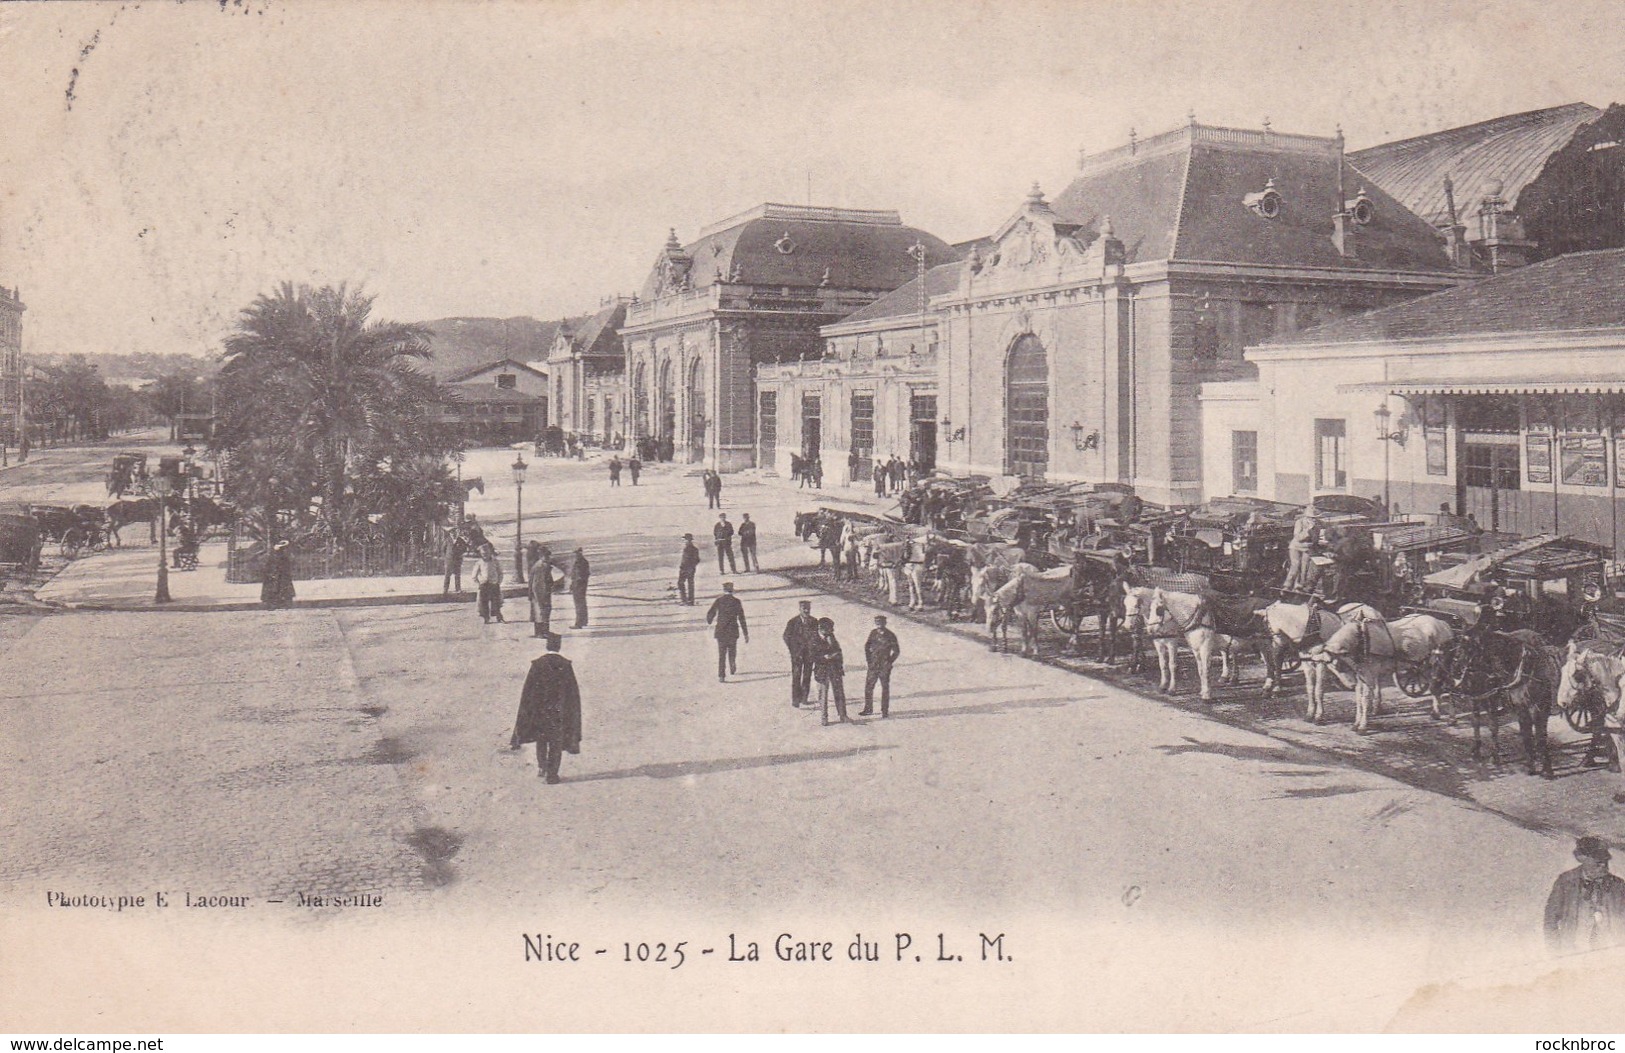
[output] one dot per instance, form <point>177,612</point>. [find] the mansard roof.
<point>798,246</point>
<point>1583,290</point>
<point>1184,196</point>
<point>904,301</point>
<point>592,334</point>
<point>1505,153</point>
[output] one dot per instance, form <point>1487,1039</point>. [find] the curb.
<point>401,600</point>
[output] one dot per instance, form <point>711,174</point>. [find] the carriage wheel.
<point>1415,681</point>
<point>1064,619</point>
<point>1587,717</point>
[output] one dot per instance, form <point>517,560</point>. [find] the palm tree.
<point>307,370</point>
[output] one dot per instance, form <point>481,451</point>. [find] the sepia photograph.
<point>937,516</point>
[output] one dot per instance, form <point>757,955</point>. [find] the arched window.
<point>1026,403</point>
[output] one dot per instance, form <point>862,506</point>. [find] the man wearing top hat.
<point>1586,908</point>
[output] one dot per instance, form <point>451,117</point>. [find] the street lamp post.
<point>1384,417</point>
<point>519,467</point>
<point>162,485</point>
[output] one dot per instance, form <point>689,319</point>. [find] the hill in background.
<point>463,343</point>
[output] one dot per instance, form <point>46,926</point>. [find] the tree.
<point>316,403</point>
<point>175,393</point>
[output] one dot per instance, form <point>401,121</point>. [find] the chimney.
<point>1343,219</point>
<point>1454,232</point>
<point>1500,233</point>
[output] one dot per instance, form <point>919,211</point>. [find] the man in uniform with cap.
<point>549,711</point>
<point>686,566</point>
<point>800,633</point>
<point>1586,908</point>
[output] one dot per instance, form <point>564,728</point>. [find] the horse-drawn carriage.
<point>19,541</point>
<point>128,473</point>
<point>1238,542</point>
<point>73,529</point>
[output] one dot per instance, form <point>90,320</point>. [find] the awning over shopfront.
<point>1482,386</point>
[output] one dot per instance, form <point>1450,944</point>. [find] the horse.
<point>1302,627</point>
<point>801,469</point>
<point>948,571</point>
<point>1590,673</point>
<point>1377,649</point>
<point>1027,594</point>
<point>1097,593</point>
<point>986,581</point>
<point>1518,667</point>
<point>829,541</point>
<point>1167,617</point>
<point>121,514</point>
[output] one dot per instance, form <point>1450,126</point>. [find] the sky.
<point>163,163</point>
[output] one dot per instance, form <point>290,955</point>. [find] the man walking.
<point>614,470</point>
<point>799,634</point>
<point>829,669</point>
<point>686,566</point>
<point>634,467</point>
<point>1586,908</point>
<point>747,544</point>
<point>456,549</point>
<point>580,573</point>
<point>541,594</point>
<point>549,711</point>
<point>488,582</point>
<point>723,534</point>
<point>729,615</point>
<point>880,651</point>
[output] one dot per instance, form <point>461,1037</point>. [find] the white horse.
<point>1377,649</point>
<point>1587,672</point>
<point>1025,597</point>
<point>1302,627</point>
<point>1167,617</point>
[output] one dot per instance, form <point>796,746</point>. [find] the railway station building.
<point>585,367</point>
<point>751,291</point>
<point>1503,399</point>
<point>1074,346</point>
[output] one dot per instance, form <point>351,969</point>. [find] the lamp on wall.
<point>1384,417</point>
<point>1385,434</point>
<point>950,433</point>
<point>1080,440</point>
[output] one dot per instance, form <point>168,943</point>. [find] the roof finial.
<point>1035,196</point>
<point>1266,122</point>
<point>1106,230</point>
<point>672,242</point>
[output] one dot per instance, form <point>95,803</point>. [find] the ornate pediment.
<point>1033,237</point>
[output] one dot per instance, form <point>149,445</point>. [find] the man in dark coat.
<point>723,534</point>
<point>276,583</point>
<point>549,711</point>
<point>580,574</point>
<point>799,634</point>
<point>747,544</point>
<point>880,651</point>
<point>686,566</point>
<point>1586,908</point>
<point>634,467</point>
<point>829,669</point>
<point>456,549</point>
<point>474,533</point>
<point>541,593</point>
<point>614,471</point>
<point>729,615</point>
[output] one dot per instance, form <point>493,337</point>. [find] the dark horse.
<point>1097,592</point>
<point>121,514</point>
<point>1488,668</point>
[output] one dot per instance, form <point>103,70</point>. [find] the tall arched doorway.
<point>1026,401</point>
<point>666,426</point>
<point>696,413</point>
